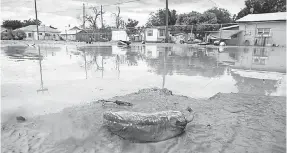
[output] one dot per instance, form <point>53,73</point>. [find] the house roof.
<point>70,32</point>
<point>225,34</point>
<point>279,16</point>
<point>75,28</point>
<point>3,29</point>
<point>158,27</point>
<point>33,28</point>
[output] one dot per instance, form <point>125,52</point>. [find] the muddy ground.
<point>224,123</point>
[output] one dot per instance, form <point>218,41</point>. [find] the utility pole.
<point>84,16</point>
<point>36,19</point>
<point>220,31</point>
<point>166,21</point>
<point>102,16</point>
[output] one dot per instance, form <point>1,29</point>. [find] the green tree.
<point>222,15</point>
<point>262,6</point>
<point>199,22</point>
<point>132,23</point>
<point>15,24</point>
<point>158,18</point>
<point>12,24</point>
<point>130,26</point>
<point>31,22</point>
<point>19,34</point>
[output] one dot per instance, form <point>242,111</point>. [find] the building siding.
<point>249,33</point>
<point>119,35</point>
<point>156,35</point>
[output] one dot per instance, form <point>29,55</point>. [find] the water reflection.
<point>205,62</point>
<point>109,71</point>
<point>42,89</point>
<point>262,59</point>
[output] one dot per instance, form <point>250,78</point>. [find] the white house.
<point>70,34</point>
<point>119,34</point>
<point>263,29</point>
<point>155,34</point>
<point>45,32</point>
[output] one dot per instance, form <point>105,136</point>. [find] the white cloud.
<point>60,13</point>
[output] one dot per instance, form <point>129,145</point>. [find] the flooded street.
<point>65,83</point>
<point>62,76</point>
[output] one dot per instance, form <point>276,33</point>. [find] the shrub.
<point>7,35</point>
<point>19,34</point>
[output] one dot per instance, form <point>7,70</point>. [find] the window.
<point>29,34</point>
<point>150,33</point>
<point>161,32</point>
<point>263,31</point>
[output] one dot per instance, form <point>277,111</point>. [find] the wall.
<point>42,37</point>
<point>32,36</point>
<point>71,37</point>
<point>119,35</point>
<point>152,38</point>
<point>249,31</point>
<point>156,35</point>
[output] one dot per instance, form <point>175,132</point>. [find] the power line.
<point>121,3</point>
<point>94,6</point>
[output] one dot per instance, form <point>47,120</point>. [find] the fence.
<point>94,37</point>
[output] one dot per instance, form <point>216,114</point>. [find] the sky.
<point>61,13</point>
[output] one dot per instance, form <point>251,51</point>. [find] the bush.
<point>7,35</point>
<point>19,35</point>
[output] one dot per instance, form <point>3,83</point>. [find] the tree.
<point>19,34</point>
<point>222,15</point>
<point>12,24</point>
<point>132,23</point>
<point>92,19</point>
<point>31,22</point>
<point>198,22</point>
<point>262,6</point>
<point>119,21</point>
<point>15,24</point>
<point>130,26</point>
<point>158,18</point>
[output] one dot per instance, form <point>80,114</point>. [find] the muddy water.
<point>38,82</point>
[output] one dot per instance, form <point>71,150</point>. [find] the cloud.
<point>60,13</point>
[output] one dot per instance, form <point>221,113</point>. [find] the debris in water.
<point>20,119</point>
<point>118,102</point>
<point>146,127</point>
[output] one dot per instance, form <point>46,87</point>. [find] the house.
<point>45,32</point>
<point>227,34</point>
<point>70,34</point>
<point>263,29</point>
<point>155,34</point>
<point>119,34</point>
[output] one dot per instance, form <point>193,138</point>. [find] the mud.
<point>226,123</point>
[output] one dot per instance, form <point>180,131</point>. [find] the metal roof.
<point>279,16</point>
<point>33,28</point>
<point>225,34</point>
<point>230,27</point>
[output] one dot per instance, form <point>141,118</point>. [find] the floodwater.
<point>39,82</point>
